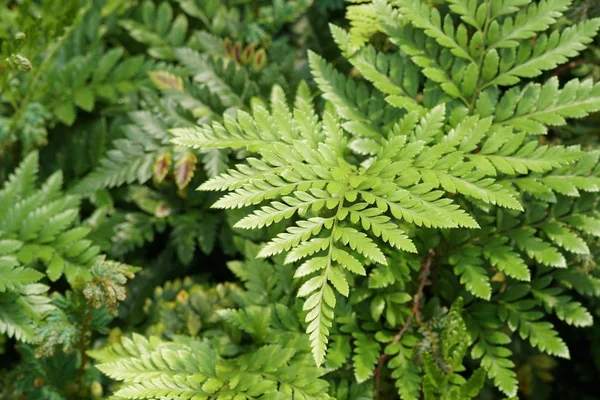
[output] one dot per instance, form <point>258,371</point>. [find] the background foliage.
<point>397,199</point>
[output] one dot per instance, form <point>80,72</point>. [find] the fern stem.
<point>82,340</point>
<point>425,271</point>
<point>6,82</point>
<point>479,89</point>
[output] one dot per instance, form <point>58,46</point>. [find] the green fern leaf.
<point>428,18</point>
<point>506,260</point>
<point>521,316</point>
<point>132,159</point>
<point>468,265</point>
<point>535,18</point>
<point>547,53</point>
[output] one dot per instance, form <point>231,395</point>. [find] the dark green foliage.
<point>359,200</point>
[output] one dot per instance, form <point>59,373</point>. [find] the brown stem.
<point>425,271</point>
<point>82,340</point>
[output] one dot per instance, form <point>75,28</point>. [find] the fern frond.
<point>490,348</point>
<point>506,260</point>
<point>20,311</point>
<point>20,183</point>
<point>548,52</point>
<point>552,298</point>
<point>419,48</point>
<point>15,319</point>
<point>158,30</point>
<point>444,32</point>
<point>193,369</point>
<point>512,154</point>
<point>230,84</point>
<point>313,181</point>
<point>366,353</point>
<point>363,24</point>
<point>14,278</point>
<point>521,316</point>
<point>132,158</point>
<point>536,106</point>
<point>393,75</point>
<point>43,221</point>
<point>405,371</point>
<point>538,249</point>
<point>468,265</point>
<point>536,17</point>
<point>361,107</point>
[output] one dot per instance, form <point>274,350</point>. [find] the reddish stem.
<point>425,271</point>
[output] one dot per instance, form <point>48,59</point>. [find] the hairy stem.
<point>425,271</point>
